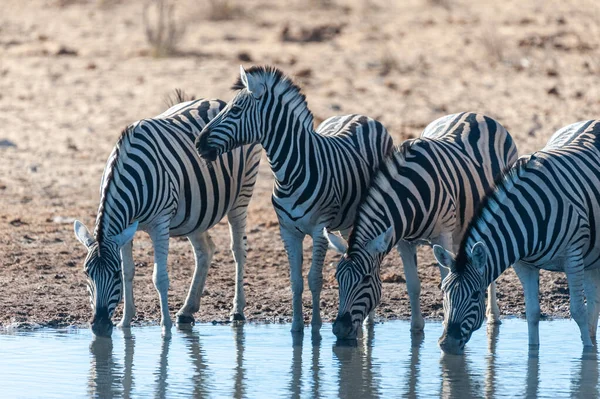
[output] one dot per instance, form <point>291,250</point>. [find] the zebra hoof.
<point>237,317</point>
<point>185,319</point>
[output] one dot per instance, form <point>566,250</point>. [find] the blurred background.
<point>73,73</point>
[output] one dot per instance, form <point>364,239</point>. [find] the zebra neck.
<point>289,137</point>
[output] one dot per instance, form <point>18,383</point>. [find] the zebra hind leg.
<point>204,248</point>
<point>237,229</point>
<point>575,276</point>
<point>492,311</point>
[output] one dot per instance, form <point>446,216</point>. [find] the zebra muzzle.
<point>101,324</point>
<point>343,327</point>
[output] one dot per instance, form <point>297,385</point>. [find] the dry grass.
<point>163,32</point>
<point>447,4</point>
<point>494,45</point>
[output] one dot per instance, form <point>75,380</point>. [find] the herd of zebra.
<point>458,187</point>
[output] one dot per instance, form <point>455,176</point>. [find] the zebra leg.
<point>160,276</point>
<point>292,242</point>
<point>530,280</point>
<point>315,276</point>
<point>408,253</point>
<point>237,229</point>
<point>492,310</point>
<point>592,296</point>
<point>128,267</point>
<point>204,248</point>
<point>575,275</point>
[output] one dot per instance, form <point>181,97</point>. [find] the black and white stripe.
<point>426,192</point>
<point>155,181</point>
<point>543,214</point>
<point>320,175</point>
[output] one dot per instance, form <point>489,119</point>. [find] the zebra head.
<point>102,268</point>
<point>240,121</point>
<point>359,283</point>
<point>464,297</point>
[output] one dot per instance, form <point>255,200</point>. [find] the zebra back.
<point>154,171</point>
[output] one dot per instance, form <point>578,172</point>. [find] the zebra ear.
<point>445,258</point>
<point>243,76</point>
<point>83,234</point>
<point>479,256</point>
<point>254,87</point>
<point>126,235</point>
<point>336,242</point>
<point>381,243</point>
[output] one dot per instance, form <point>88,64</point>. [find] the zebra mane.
<point>178,96</point>
<point>269,73</point>
<point>107,181</point>
<point>499,186</point>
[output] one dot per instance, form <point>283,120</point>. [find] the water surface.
<point>260,361</point>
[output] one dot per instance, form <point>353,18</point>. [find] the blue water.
<point>259,361</point>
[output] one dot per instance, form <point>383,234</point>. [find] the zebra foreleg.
<point>591,286</point>
<point>315,277</point>
<point>530,280</point>
<point>204,248</point>
<point>128,268</point>
<point>575,275</point>
<point>408,253</point>
<point>160,276</point>
<point>292,242</point>
<point>237,229</point>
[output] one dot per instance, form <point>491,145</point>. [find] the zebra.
<point>320,175</point>
<point>544,213</point>
<point>426,192</point>
<point>154,181</point>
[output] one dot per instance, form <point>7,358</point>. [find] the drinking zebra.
<point>320,175</point>
<point>154,181</point>
<point>544,213</point>
<point>426,192</point>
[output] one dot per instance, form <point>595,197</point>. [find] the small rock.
<point>7,143</point>
<point>63,220</point>
<point>553,91</point>
<point>244,56</point>
<point>63,50</point>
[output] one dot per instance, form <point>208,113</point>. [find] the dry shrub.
<point>494,45</point>
<point>447,4</point>
<point>220,10</point>
<point>162,31</point>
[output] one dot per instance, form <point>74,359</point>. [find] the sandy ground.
<point>74,73</point>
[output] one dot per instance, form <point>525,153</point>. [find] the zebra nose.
<point>101,324</point>
<point>203,148</point>
<point>342,327</point>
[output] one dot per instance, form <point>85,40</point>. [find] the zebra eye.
<point>236,109</point>
<point>475,295</point>
<point>366,279</point>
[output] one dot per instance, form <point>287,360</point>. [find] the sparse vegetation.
<point>447,4</point>
<point>163,32</point>
<point>220,10</point>
<point>494,45</point>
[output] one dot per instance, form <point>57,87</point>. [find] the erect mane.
<point>499,186</point>
<point>268,73</point>
<point>107,181</point>
<point>178,96</point>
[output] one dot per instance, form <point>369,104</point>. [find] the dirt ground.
<point>74,73</point>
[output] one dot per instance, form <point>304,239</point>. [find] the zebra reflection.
<point>357,373</point>
<point>239,388</point>
<point>201,378</point>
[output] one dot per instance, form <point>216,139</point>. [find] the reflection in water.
<point>128,367</point>
<point>239,388</point>
<point>416,341</point>
<point>584,383</point>
<point>200,380</point>
<point>456,377</point>
<point>493,331</point>
<point>104,377</point>
<point>295,386</point>
<point>316,365</point>
<point>356,367</point>
<point>163,366</point>
<point>533,372</point>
